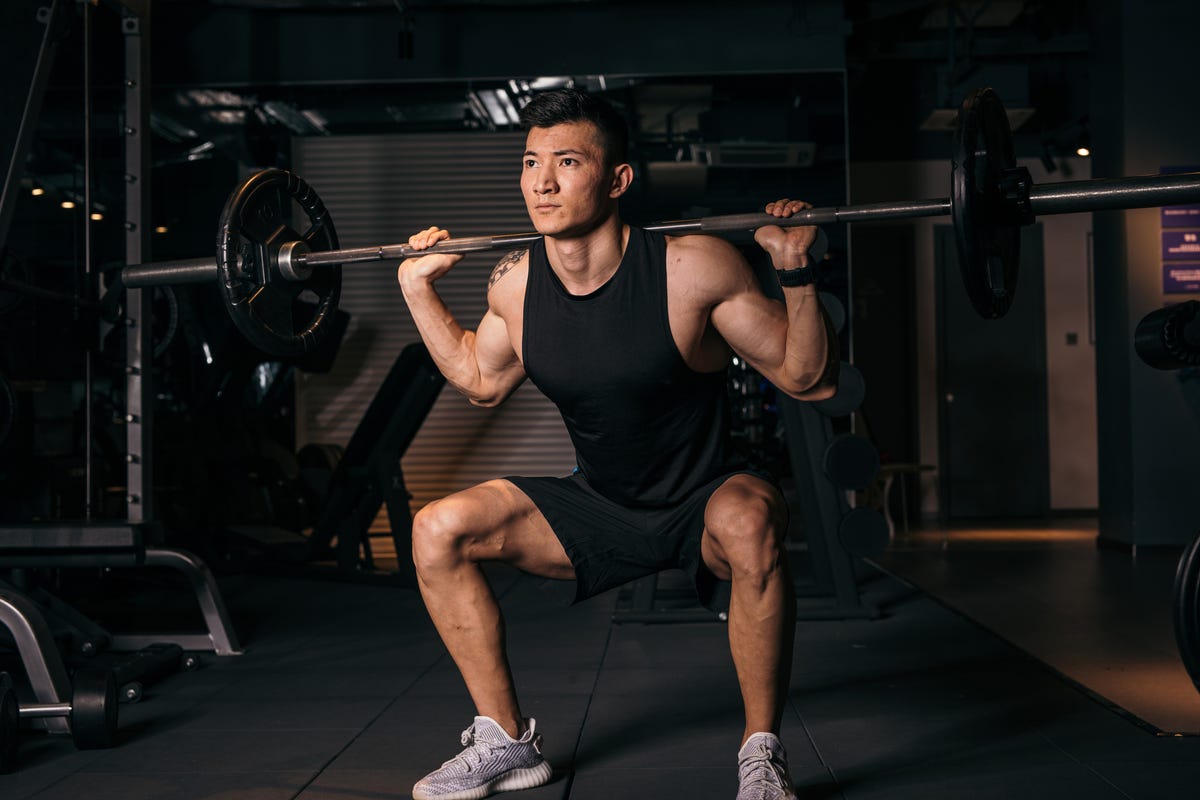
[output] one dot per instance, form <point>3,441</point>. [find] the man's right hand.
<point>426,269</point>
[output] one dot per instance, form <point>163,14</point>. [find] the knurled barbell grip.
<point>396,252</point>
<point>713,224</point>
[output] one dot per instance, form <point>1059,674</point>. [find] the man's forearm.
<point>811,353</point>
<point>449,344</point>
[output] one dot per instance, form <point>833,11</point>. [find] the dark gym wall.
<point>1144,117</point>
<point>234,46</point>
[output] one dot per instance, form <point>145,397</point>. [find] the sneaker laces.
<point>759,770</point>
<point>476,750</point>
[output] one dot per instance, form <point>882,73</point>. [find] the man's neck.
<point>585,263</point>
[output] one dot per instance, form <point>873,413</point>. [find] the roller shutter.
<point>379,189</point>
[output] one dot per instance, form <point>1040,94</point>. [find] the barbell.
<point>281,285</point>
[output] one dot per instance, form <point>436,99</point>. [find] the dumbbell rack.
<point>78,545</point>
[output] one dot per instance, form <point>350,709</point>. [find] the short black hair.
<point>560,106</point>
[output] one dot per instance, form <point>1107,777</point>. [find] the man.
<point>629,333</point>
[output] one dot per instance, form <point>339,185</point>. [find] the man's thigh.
<point>498,522</point>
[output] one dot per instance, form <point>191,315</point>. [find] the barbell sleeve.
<point>1103,194</point>
<point>163,273</point>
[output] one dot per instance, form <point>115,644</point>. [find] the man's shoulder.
<point>704,262</point>
<point>506,284</point>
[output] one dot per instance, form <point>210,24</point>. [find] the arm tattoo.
<point>504,265</point>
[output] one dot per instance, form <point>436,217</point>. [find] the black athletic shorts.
<point>610,544</point>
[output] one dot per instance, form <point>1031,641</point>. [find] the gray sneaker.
<point>492,762</point>
<point>763,770</point>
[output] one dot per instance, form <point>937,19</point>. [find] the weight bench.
<point>83,545</point>
<point>369,474</point>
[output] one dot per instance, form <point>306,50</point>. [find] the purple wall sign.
<point>1181,245</point>
<point>1186,216</point>
<point>1179,278</point>
<point>1180,231</point>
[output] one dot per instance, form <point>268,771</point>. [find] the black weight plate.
<point>851,391</point>
<point>864,532</point>
<point>985,228</point>
<point>835,310</point>
<point>851,462</point>
<point>94,709</point>
<point>267,308</point>
<point>1165,338</point>
<point>10,728</point>
<point>1186,603</point>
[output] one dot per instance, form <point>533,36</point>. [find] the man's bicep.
<point>753,325</point>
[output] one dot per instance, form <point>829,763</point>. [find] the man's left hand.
<point>788,247</point>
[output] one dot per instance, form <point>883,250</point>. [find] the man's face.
<point>568,188</point>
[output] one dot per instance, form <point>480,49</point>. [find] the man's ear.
<point>622,180</point>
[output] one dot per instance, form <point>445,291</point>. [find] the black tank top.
<point>647,429</point>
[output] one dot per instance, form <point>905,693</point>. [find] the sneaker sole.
<point>508,782</point>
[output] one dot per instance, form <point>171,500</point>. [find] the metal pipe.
<point>88,291</point>
<point>40,710</point>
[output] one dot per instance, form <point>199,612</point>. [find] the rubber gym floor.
<point>345,692</point>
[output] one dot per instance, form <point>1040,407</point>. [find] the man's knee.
<point>748,527</point>
<point>439,534</point>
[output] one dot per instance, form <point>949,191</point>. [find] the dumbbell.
<point>92,712</point>
<point>150,665</point>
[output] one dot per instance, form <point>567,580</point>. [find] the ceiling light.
<point>509,109</point>
<point>97,216</point>
<point>68,204</point>
<point>495,110</point>
<point>298,122</point>
<point>161,229</point>
<point>487,106</point>
<point>201,151</point>
<point>38,191</point>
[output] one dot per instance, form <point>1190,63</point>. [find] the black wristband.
<point>802,276</point>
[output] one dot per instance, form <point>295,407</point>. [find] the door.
<point>993,419</point>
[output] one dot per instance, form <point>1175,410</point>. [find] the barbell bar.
<point>263,265</point>
<point>1070,197</point>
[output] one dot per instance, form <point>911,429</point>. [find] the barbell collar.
<point>290,261</point>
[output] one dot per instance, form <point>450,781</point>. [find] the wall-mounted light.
<point>1083,148</point>
<point>161,229</point>
<point>1083,141</point>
